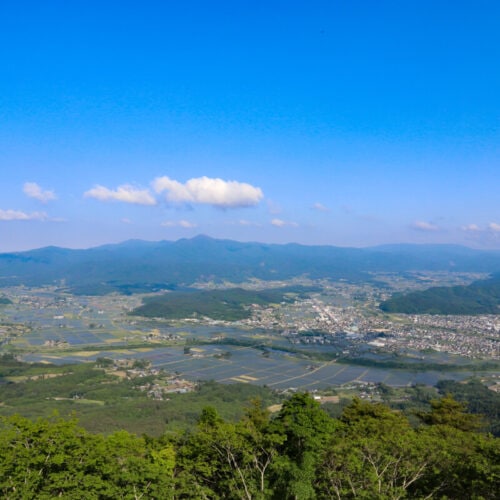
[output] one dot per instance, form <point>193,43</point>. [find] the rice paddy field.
<point>275,369</point>
<point>66,329</point>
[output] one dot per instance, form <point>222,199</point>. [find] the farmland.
<point>47,325</point>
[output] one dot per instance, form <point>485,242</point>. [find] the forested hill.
<point>370,452</point>
<point>480,297</point>
<point>137,266</point>
<point>231,304</point>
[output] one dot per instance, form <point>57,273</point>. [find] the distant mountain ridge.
<point>137,265</point>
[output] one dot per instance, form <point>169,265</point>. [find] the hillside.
<point>481,297</point>
<point>140,266</point>
<point>230,305</point>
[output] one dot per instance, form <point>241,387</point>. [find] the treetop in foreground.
<point>370,452</point>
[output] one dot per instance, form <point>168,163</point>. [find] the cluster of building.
<point>158,384</point>
<point>339,310</point>
<point>314,321</point>
<point>469,336</point>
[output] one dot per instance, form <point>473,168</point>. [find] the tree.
<point>45,459</point>
<point>262,445</point>
<point>448,411</point>
<point>51,458</point>
<point>103,362</point>
<point>214,459</point>
<point>465,464</point>
<point>375,454</point>
<point>305,429</point>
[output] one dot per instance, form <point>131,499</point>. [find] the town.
<point>334,313</point>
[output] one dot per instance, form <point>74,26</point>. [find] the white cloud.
<point>209,191</point>
<point>492,227</point>
<point>424,226</point>
<point>187,224</point>
<point>488,235</point>
<point>125,193</point>
<point>320,207</point>
<point>18,215</point>
<point>282,223</point>
<point>244,222</point>
<point>472,228</point>
<point>180,223</point>
<point>278,222</point>
<point>125,220</point>
<point>33,190</point>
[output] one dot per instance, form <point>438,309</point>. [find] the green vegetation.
<point>11,367</point>
<point>400,363</point>
<point>5,301</point>
<point>369,452</point>
<point>481,297</point>
<point>479,400</point>
<point>232,304</point>
<point>37,390</point>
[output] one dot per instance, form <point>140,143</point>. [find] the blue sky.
<point>324,122</point>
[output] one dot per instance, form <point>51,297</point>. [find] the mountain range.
<point>137,266</point>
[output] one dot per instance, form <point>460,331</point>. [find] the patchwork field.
<point>46,326</point>
<point>276,369</point>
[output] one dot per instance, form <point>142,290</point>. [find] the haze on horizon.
<point>347,124</point>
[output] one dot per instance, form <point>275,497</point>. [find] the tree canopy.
<point>369,452</point>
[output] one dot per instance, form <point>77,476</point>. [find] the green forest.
<point>230,304</point>
<point>481,297</point>
<point>368,452</point>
